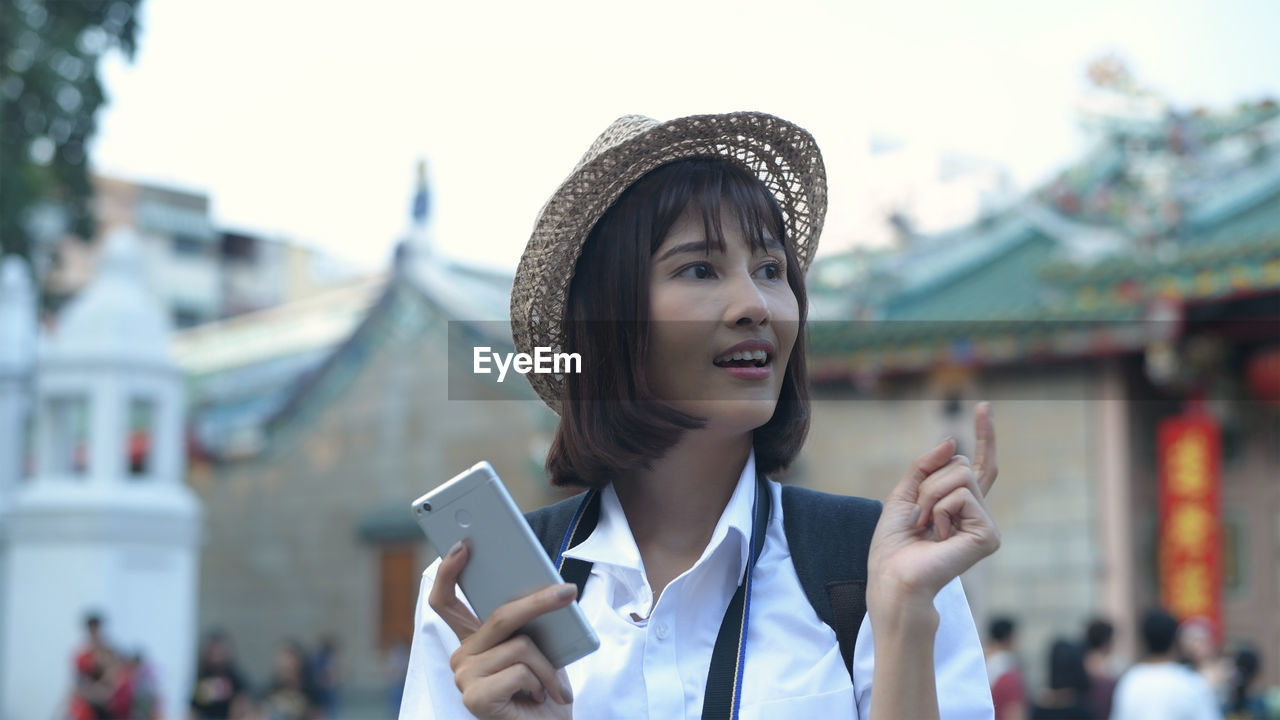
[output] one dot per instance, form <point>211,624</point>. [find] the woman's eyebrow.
<point>698,246</point>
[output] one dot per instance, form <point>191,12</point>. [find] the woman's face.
<point>1197,641</point>
<point>704,307</point>
<point>288,665</point>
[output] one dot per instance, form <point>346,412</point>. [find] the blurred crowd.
<point>111,685</point>
<point>1182,673</point>
<point>303,686</point>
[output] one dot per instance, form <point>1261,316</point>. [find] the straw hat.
<point>783,155</point>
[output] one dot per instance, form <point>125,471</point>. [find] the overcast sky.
<point>306,119</point>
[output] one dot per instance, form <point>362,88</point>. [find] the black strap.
<point>723,694</point>
<point>580,526</point>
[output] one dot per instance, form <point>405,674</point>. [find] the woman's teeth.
<point>755,357</point>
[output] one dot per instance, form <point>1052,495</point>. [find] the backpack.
<point>834,581</point>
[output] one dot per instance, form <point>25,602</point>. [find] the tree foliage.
<point>49,98</point>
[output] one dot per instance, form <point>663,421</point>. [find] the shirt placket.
<point>663,684</point>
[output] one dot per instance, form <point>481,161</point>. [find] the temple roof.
<point>1136,229</point>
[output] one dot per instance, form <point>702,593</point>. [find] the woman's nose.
<point>747,304</point>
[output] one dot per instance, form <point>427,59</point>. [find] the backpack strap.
<point>833,574</point>
<point>550,525</point>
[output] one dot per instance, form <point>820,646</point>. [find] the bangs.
<point>705,186</point>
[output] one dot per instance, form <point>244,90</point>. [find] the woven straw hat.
<point>783,155</point>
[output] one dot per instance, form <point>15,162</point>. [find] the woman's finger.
<point>908,489</point>
<point>984,456</point>
<point>498,690</point>
<point>520,649</point>
<point>955,474</point>
<point>966,514</point>
<point>444,594</point>
<point>510,617</point>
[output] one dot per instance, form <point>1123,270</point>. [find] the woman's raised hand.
<point>935,523</point>
<point>502,675</point>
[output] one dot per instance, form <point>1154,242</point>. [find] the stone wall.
<point>1047,571</point>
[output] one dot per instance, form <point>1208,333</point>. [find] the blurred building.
<point>318,422</point>
<point>201,272</point>
<point>241,370</point>
<point>1136,293</point>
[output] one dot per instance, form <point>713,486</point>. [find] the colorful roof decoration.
<point>1184,208</point>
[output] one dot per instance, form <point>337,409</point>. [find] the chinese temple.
<point>1125,319</point>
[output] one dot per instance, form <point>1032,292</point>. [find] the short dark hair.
<point>1159,631</point>
<point>1098,634</point>
<point>1066,667</point>
<point>1002,628</point>
<point>610,420</point>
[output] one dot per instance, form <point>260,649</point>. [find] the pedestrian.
<point>1243,702</point>
<point>220,692</point>
<point>99,676</point>
<point>1004,670</point>
<point>291,694</point>
<point>1099,637</point>
<point>395,667</point>
<point>672,261</point>
<point>1067,696</point>
<point>325,674</point>
<point>1159,686</point>
<point>143,688</point>
<point>1199,651</point>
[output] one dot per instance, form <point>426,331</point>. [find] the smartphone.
<point>506,561</point>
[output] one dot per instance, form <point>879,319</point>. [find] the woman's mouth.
<point>746,365</point>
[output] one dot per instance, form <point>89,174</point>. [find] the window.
<point>68,434</point>
<point>139,438</point>
<point>189,246</point>
<point>186,317</point>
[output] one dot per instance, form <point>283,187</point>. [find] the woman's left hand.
<point>935,524</point>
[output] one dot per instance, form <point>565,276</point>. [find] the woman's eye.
<point>771,271</point>
<point>700,271</point>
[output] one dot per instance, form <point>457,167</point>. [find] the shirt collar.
<point>612,543</point>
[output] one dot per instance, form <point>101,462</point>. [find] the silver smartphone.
<point>506,561</point>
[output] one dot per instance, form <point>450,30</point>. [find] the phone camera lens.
<point>426,507</point>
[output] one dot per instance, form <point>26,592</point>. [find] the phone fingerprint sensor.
<point>463,518</point>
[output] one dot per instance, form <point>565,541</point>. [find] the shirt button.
<point>661,631</point>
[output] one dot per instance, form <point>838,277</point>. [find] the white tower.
<point>17,383</point>
<point>106,523</point>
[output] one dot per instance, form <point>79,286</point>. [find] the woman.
<point>220,692</point>
<point>672,260</point>
<point>1200,652</point>
<point>291,694</point>
<point>1068,693</point>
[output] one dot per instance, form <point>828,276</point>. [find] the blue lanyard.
<point>723,694</point>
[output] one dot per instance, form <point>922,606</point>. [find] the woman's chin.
<point>732,417</point>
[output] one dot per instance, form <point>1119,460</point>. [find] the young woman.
<point>672,260</point>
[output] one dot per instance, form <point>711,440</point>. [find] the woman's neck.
<point>673,507</point>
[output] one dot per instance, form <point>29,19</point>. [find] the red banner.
<point>1190,518</point>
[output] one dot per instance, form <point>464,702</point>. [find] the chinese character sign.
<point>1190,525</point>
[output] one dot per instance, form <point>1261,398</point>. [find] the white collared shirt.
<point>657,667</point>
